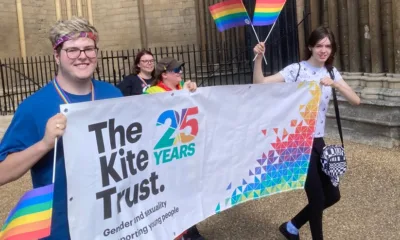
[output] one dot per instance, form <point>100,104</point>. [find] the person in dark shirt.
<point>141,79</point>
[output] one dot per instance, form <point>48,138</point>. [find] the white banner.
<point>151,166</point>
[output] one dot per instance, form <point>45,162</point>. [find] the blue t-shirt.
<point>28,127</point>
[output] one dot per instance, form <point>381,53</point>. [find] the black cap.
<point>167,64</point>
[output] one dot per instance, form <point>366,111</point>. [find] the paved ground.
<point>369,208</point>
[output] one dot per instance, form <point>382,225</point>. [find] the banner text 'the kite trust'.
<point>131,163</point>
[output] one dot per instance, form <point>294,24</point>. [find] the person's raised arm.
<point>258,76</point>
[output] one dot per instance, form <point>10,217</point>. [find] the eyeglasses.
<point>74,53</point>
<point>176,70</point>
<point>148,61</point>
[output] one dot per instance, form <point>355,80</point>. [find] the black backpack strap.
<point>298,72</point>
<point>335,103</point>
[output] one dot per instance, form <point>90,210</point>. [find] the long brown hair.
<point>157,79</point>
<point>139,55</point>
<point>318,34</point>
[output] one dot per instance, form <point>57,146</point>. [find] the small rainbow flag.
<point>229,14</point>
<point>267,12</point>
<point>31,218</point>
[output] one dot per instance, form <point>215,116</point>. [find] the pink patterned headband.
<point>73,36</point>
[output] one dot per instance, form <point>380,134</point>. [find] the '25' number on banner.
<point>183,123</point>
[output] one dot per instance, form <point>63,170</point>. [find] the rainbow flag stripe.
<point>160,87</point>
<point>267,12</point>
<point>229,14</point>
<point>31,217</point>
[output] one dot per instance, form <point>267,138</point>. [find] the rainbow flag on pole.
<point>267,12</point>
<point>229,14</point>
<point>31,218</point>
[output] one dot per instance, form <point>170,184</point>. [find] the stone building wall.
<point>8,29</point>
<point>165,23</point>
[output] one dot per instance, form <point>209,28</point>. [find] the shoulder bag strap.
<point>335,103</point>
<point>298,72</point>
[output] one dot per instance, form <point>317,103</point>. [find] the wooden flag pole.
<point>248,21</point>
<point>265,40</point>
<point>54,160</point>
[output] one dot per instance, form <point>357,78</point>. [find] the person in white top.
<point>320,53</point>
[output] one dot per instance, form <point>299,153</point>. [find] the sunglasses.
<point>176,70</point>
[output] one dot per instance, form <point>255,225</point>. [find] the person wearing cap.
<point>142,77</point>
<point>168,77</point>
<point>29,141</point>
